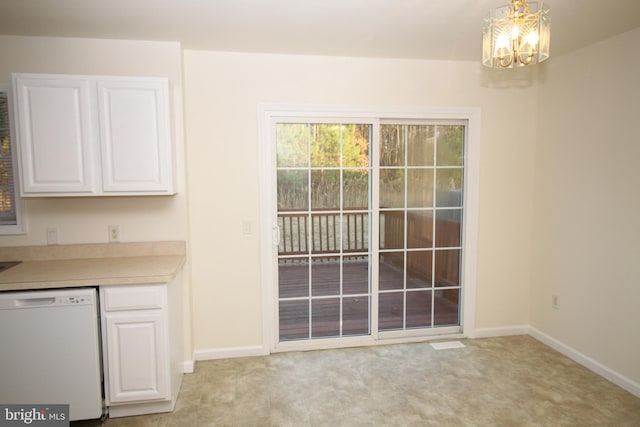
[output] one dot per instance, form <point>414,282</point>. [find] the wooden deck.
<point>396,305</point>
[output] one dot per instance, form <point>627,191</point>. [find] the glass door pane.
<point>420,250</point>
<point>323,185</point>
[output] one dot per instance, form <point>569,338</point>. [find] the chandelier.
<point>516,35</point>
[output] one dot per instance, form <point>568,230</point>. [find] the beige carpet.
<point>509,381</point>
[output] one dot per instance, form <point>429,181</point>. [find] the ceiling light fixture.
<point>516,35</point>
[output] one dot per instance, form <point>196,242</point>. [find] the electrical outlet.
<point>554,302</point>
<point>114,233</point>
<point>52,236</point>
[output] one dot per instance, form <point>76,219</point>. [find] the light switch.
<point>246,227</point>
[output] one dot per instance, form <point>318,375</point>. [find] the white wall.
<point>222,91</point>
<point>587,204</point>
<point>85,220</point>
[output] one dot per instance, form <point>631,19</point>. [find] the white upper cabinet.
<point>56,135</point>
<point>93,135</point>
<point>134,132</point>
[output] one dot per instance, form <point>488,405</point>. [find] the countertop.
<point>91,265</point>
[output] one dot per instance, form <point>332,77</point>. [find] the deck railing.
<point>322,232</point>
<point>327,232</point>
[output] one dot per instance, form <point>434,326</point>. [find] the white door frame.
<point>268,251</point>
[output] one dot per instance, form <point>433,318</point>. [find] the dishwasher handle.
<point>34,302</point>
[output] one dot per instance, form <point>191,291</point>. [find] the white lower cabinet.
<point>137,357</point>
<point>140,375</point>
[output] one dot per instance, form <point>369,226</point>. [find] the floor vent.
<point>445,345</point>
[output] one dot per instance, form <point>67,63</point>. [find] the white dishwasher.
<point>50,350</point>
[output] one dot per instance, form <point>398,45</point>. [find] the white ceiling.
<point>428,29</point>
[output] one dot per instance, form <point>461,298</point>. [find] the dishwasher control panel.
<point>74,300</point>
<point>61,298</point>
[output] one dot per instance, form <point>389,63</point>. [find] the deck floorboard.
<point>398,307</point>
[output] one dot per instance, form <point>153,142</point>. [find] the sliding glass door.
<point>368,227</point>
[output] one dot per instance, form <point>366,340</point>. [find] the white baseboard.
<point>230,353</point>
<point>187,366</point>
<point>597,367</point>
<point>500,332</point>
<point>573,354</point>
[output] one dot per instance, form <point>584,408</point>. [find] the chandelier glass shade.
<point>516,35</point>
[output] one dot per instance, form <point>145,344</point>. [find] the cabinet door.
<point>54,127</point>
<point>135,135</point>
<point>137,357</point>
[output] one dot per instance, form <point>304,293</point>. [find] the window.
<point>10,209</point>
